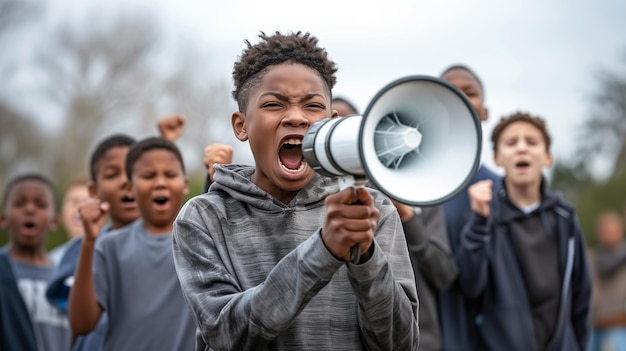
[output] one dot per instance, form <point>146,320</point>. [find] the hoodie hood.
<point>509,212</point>
<point>236,181</point>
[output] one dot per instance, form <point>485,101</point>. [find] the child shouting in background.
<point>522,252</point>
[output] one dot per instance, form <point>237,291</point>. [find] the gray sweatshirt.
<point>257,275</point>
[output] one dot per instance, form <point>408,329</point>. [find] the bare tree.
<point>113,80</point>
<point>98,79</point>
<point>21,144</point>
<point>20,138</point>
<point>603,135</point>
<point>14,13</point>
<point>205,101</point>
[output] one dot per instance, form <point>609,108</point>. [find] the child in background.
<point>108,183</point>
<point>457,312</point>
<point>27,321</point>
<point>264,257</point>
<point>75,194</point>
<point>609,289</point>
<point>133,278</point>
<point>344,107</point>
<point>522,253</point>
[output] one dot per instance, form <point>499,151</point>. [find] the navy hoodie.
<point>16,331</point>
<point>489,271</point>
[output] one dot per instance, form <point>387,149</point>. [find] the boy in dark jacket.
<point>27,321</point>
<point>522,252</point>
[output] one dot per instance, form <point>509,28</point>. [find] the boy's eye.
<point>19,202</point>
<point>110,174</point>
<point>316,106</point>
<point>470,93</point>
<point>271,104</point>
<point>147,175</point>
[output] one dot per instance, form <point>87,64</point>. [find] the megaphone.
<point>419,142</point>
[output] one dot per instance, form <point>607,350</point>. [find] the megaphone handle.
<point>355,253</point>
<point>344,183</point>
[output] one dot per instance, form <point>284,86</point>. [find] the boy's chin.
<point>523,179</point>
<point>29,241</point>
<point>292,182</point>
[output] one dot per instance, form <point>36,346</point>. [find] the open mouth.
<point>522,164</point>
<point>290,155</point>
<point>29,228</point>
<point>161,202</point>
<point>128,202</point>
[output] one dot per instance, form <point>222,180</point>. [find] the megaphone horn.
<point>419,142</point>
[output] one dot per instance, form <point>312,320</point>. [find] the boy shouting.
<point>264,257</point>
<point>522,252</point>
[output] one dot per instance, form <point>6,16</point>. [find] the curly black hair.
<point>537,122</point>
<point>273,50</point>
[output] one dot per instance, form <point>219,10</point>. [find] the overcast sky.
<point>537,56</point>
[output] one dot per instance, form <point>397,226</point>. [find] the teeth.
<point>292,141</point>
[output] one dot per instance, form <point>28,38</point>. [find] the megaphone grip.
<point>355,253</point>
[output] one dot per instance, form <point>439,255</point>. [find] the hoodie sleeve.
<point>385,287</point>
<point>582,290</point>
<point>472,255</point>
<point>427,239</point>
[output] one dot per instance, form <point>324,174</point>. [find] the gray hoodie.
<point>257,275</point>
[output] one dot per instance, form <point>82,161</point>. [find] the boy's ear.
<point>484,114</point>
<point>495,158</point>
<point>186,189</point>
<point>91,187</point>
<point>54,224</point>
<point>239,126</point>
<point>549,159</point>
<point>3,221</point>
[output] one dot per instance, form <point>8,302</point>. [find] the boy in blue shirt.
<point>108,183</point>
<point>133,277</point>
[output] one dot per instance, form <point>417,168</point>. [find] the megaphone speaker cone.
<point>419,142</point>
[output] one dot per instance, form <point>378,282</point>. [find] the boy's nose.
<point>30,207</point>
<point>295,118</point>
<point>160,181</point>
<point>124,183</point>
<point>522,146</point>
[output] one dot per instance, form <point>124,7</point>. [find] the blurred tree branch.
<point>603,135</point>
